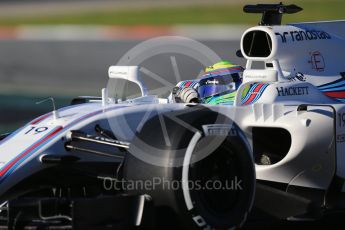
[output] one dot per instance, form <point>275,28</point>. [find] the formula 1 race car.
<point>123,162</point>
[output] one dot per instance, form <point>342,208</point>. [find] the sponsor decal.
<point>214,82</point>
<point>303,35</point>
<point>254,93</point>
<point>219,130</point>
<point>300,76</point>
<point>292,91</point>
<point>120,73</point>
<point>317,61</point>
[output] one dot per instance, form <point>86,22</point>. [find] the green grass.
<point>218,14</point>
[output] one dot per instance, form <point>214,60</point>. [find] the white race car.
<point>120,162</point>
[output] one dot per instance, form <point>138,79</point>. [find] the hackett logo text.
<point>292,91</point>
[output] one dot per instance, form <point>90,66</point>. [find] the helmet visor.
<point>215,85</point>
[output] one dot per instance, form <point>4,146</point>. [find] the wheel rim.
<point>217,175</point>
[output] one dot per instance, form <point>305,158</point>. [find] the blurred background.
<point>63,48</point>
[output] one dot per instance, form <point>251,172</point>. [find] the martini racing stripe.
<point>13,164</point>
<point>34,122</point>
<point>340,94</point>
<point>45,116</point>
<point>339,88</point>
<point>187,84</point>
<point>254,93</point>
<point>341,100</point>
<point>91,115</point>
<point>260,93</point>
<point>332,84</point>
<point>10,166</point>
<point>334,89</point>
<point>41,118</point>
<point>250,92</point>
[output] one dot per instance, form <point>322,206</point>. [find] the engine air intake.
<point>257,43</point>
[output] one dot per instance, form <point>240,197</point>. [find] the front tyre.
<point>204,178</point>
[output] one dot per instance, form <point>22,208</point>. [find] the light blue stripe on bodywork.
<point>249,93</point>
<point>258,96</point>
<point>342,88</point>
<point>341,83</point>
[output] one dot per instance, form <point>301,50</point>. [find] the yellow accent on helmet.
<point>220,65</point>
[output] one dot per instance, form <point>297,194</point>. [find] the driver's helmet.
<point>220,82</point>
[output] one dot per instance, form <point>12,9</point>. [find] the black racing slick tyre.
<point>197,167</point>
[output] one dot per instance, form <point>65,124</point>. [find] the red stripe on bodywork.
<point>254,94</point>
<point>37,144</point>
<point>188,84</point>
<point>4,170</point>
<point>40,119</point>
<point>335,94</point>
